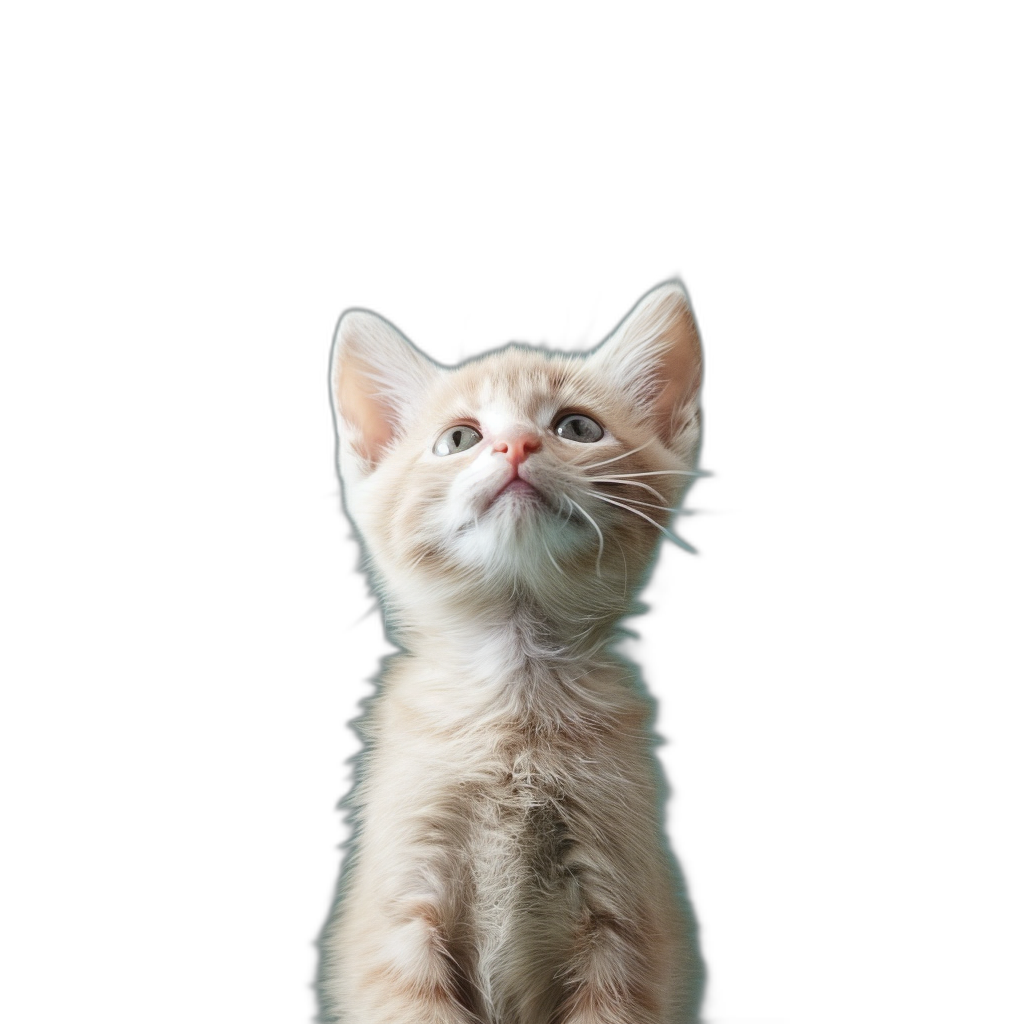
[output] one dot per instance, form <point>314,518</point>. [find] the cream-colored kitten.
<point>509,864</point>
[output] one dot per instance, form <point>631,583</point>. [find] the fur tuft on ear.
<point>655,353</point>
<point>377,375</point>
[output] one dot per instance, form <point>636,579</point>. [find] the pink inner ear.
<point>368,413</point>
<point>680,370</point>
<point>378,377</point>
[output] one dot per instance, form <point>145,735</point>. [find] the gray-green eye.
<point>457,439</point>
<point>577,427</point>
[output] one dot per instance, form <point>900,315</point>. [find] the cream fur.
<point>509,864</point>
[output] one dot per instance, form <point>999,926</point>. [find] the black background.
<point>732,646</point>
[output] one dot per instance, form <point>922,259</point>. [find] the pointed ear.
<point>655,355</point>
<point>376,377</point>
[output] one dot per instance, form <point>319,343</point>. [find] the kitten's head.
<point>524,476</point>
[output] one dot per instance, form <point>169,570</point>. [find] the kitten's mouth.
<point>519,486</point>
<point>516,488</point>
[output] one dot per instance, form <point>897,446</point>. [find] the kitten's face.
<point>524,472</point>
<point>503,468</point>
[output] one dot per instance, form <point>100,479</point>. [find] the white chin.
<point>519,534</point>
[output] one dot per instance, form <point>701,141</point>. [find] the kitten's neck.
<point>505,640</point>
<point>509,675</point>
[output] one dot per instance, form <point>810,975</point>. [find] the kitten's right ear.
<point>376,377</point>
<point>655,357</point>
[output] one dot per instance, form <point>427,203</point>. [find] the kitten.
<point>509,864</point>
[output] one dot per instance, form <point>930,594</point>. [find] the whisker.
<point>666,472</point>
<point>594,465</point>
<point>646,504</point>
<point>600,535</point>
<point>567,501</point>
<point>551,556</point>
<point>626,483</point>
<point>671,536</point>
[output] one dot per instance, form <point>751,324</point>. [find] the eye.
<point>456,439</point>
<point>577,427</point>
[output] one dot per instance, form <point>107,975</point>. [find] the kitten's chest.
<point>523,796</point>
<point>523,828</point>
<point>522,898</point>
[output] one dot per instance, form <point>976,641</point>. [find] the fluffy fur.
<point>509,864</point>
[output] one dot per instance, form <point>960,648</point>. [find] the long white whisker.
<point>600,535</point>
<point>626,483</point>
<point>666,472</point>
<point>551,556</point>
<point>671,536</point>
<point>569,504</point>
<point>594,465</point>
<point>563,500</point>
<point>646,504</point>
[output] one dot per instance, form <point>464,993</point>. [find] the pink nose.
<point>517,446</point>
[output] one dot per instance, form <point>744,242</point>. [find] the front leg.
<point>633,957</point>
<point>395,955</point>
<point>621,968</point>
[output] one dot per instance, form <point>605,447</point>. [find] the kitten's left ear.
<point>377,378</point>
<point>655,355</point>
